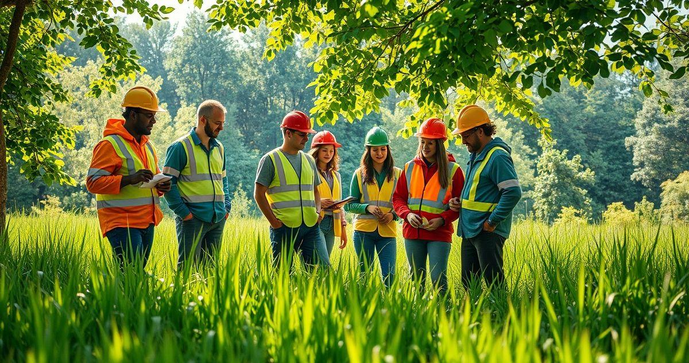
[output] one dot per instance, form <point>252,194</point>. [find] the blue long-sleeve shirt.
<point>498,183</point>
<point>175,162</point>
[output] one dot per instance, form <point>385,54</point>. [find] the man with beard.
<point>287,194</point>
<point>122,160</point>
<point>200,193</point>
<point>490,193</point>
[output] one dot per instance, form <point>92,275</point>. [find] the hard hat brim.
<point>458,131</point>
<point>336,144</point>
<point>308,131</point>
<point>430,136</point>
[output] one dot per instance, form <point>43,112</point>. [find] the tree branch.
<point>12,37</point>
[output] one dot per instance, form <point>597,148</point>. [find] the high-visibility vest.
<point>292,199</point>
<point>469,202</point>
<point>428,197</point>
<point>129,195</point>
<point>201,179</point>
<point>335,194</point>
<point>380,197</point>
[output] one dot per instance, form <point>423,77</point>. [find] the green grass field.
<point>595,293</point>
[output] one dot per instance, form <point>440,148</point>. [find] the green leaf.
<point>679,73</point>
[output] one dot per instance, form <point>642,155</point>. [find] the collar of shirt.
<point>212,142</point>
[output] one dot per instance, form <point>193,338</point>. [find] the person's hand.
<point>326,203</point>
<point>164,187</point>
<point>386,218</point>
<point>455,204</point>
<point>343,237</point>
<point>434,223</point>
<point>276,224</point>
<point>374,210</point>
<point>414,220</point>
<point>140,176</point>
<point>188,217</point>
<point>320,218</point>
<point>227,215</point>
<point>487,227</point>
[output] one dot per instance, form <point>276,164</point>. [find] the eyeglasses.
<point>299,133</point>
<point>148,115</point>
<point>468,133</point>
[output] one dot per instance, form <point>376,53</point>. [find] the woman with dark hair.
<point>373,184</point>
<point>332,221</point>
<point>422,198</point>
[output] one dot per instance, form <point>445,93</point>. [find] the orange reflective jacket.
<point>136,208</point>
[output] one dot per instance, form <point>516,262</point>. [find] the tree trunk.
<point>5,68</point>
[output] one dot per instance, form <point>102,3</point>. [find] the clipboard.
<point>340,203</point>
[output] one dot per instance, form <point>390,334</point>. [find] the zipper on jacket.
<point>210,174</point>
<point>423,191</point>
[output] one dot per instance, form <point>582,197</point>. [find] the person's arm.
<point>505,177</point>
<point>354,191</point>
<point>264,206</point>
<point>399,198</point>
<point>449,215</point>
<point>104,163</point>
<point>175,161</point>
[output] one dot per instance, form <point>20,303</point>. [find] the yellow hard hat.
<point>469,117</point>
<point>142,97</point>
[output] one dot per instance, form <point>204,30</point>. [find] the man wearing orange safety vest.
<point>286,191</point>
<point>491,192</point>
<point>121,161</point>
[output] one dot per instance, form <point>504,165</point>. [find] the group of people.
<point>300,193</point>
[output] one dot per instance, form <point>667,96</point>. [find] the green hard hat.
<point>377,137</point>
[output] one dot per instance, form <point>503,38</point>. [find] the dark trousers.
<point>128,244</point>
<point>197,239</point>
<point>307,241</point>
<point>482,257</point>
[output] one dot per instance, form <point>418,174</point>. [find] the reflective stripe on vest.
<point>201,179</point>
<point>380,197</point>
<point>428,197</point>
<point>471,203</point>
<point>333,194</point>
<point>130,195</point>
<point>292,198</point>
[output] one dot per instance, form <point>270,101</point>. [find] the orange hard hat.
<point>324,138</point>
<point>433,128</point>
<point>142,97</point>
<point>298,121</point>
<point>469,117</point>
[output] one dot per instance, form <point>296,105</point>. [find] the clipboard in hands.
<point>340,203</point>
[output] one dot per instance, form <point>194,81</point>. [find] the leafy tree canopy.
<point>445,54</point>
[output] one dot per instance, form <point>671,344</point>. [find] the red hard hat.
<point>298,121</point>
<point>324,138</point>
<point>433,128</point>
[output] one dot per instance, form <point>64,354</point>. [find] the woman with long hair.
<point>332,221</point>
<point>422,198</point>
<point>373,184</point>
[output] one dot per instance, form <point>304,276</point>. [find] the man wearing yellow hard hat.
<point>490,193</point>
<point>124,159</point>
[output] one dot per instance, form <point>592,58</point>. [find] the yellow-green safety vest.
<point>471,203</point>
<point>201,179</point>
<point>292,199</point>
<point>129,195</point>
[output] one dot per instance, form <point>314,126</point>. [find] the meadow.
<point>576,293</point>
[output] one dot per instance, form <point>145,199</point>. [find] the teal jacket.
<point>175,161</point>
<point>497,183</point>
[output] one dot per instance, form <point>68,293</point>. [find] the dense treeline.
<point>610,145</point>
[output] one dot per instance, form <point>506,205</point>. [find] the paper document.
<point>158,178</point>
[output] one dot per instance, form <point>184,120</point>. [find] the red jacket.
<point>399,200</point>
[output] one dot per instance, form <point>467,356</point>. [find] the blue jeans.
<point>198,239</point>
<point>437,253</point>
<point>367,243</point>
<point>128,244</point>
<point>328,230</point>
<point>306,241</point>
